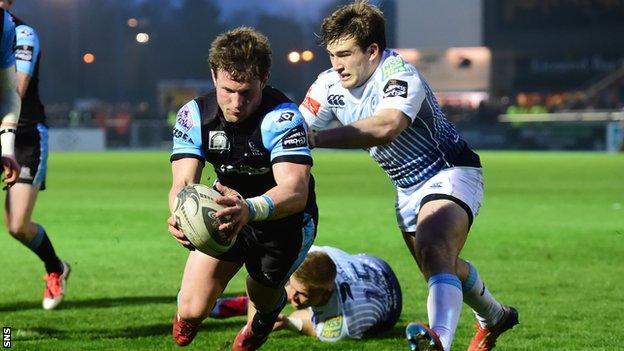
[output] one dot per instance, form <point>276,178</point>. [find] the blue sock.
<point>444,305</point>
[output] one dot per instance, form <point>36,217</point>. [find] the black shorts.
<point>31,152</point>
<point>272,250</point>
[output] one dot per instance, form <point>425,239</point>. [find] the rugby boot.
<point>183,332</point>
<point>56,284</point>
<point>247,340</point>
<point>421,338</point>
<point>227,307</point>
<point>485,338</point>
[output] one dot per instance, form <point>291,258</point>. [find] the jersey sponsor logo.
<point>218,141</point>
<point>24,52</point>
<point>311,104</point>
<point>178,134</point>
<point>392,65</point>
<point>295,137</point>
<point>335,100</point>
<point>247,170</point>
<point>184,119</point>
<point>332,327</point>
<point>286,116</point>
<point>394,88</point>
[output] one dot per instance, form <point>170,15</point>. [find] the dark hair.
<point>362,21</point>
<point>243,52</point>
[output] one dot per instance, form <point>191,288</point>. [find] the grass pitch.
<point>549,240</point>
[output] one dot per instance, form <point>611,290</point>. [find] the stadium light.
<point>88,58</point>
<point>142,38</point>
<point>132,22</point>
<point>307,55</point>
<point>294,57</point>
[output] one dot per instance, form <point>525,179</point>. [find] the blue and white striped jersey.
<point>366,295</point>
<point>7,39</point>
<point>430,143</point>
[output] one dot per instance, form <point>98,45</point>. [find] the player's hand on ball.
<point>11,169</point>
<point>177,233</point>
<point>227,191</point>
<point>235,214</point>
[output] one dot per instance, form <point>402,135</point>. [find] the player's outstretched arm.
<point>184,171</point>
<point>381,128</point>
<point>10,104</point>
<point>289,196</point>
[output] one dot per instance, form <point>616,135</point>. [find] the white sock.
<point>444,306</point>
<point>487,310</point>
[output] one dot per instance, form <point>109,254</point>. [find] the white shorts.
<point>463,185</point>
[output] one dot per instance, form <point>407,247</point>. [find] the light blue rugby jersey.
<point>361,298</point>
<point>7,55</point>
<point>428,145</point>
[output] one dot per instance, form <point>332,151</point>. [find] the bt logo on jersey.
<point>335,100</point>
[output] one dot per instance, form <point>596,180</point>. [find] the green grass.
<point>549,240</point>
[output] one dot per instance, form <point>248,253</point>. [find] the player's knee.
<point>192,311</point>
<point>431,255</point>
<point>17,229</point>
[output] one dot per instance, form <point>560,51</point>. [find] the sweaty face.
<point>301,296</point>
<point>352,64</point>
<point>237,100</point>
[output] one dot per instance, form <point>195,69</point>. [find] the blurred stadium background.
<point>516,76</point>
<point>119,68</point>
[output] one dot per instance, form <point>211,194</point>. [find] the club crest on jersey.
<point>394,88</point>
<point>218,141</point>
<point>184,118</point>
<point>295,137</point>
<point>254,149</point>
<point>335,100</point>
<point>286,116</point>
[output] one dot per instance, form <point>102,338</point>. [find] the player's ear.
<point>264,82</point>
<point>214,77</point>
<point>373,51</point>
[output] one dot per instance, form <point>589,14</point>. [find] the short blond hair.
<point>317,271</point>
<point>242,52</point>
<point>361,21</point>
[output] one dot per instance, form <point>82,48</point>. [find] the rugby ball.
<point>194,212</point>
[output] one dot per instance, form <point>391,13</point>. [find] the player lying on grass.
<point>336,295</point>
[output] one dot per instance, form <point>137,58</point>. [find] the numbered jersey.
<point>242,154</point>
<point>366,295</point>
<point>430,143</point>
<point>27,56</point>
<point>7,38</point>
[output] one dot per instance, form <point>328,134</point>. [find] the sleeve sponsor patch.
<point>332,327</point>
<point>311,104</point>
<point>394,88</point>
<point>184,118</point>
<point>295,138</point>
<point>393,65</point>
<point>24,52</point>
